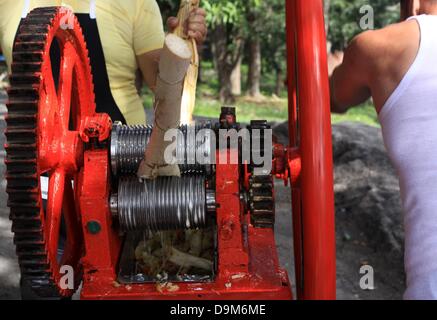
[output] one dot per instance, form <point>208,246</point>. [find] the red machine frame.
<point>245,270</point>
<point>310,165</point>
<point>310,132</point>
<point>236,278</point>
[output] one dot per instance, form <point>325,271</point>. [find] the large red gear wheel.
<point>43,138</point>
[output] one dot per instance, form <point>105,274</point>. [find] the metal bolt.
<point>93,227</point>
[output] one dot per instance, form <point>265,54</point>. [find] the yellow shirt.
<point>127,28</point>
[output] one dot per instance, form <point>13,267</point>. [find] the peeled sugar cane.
<point>173,65</point>
<point>190,82</point>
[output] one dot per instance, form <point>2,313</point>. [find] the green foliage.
<point>266,19</point>
<point>344,18</point>
<point>223,12</point>
<point>273,37</point>
<point>269,109</point>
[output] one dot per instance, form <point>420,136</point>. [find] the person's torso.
<point>114,21</point>
<point>409,125</point>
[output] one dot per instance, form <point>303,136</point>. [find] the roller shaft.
<point>128,144</point>
<point>165,203</point>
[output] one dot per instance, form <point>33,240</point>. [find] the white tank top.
<point>409,127</point>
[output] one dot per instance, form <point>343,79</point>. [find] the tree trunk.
<point>279,81</point>
<point>225,93</point>
<point>200,76</point>
<point>254,75</point>
<point>236,78</point>
<point>219,43</point>
<point>225,58</point>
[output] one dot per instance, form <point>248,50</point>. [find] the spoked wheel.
<point>42,139</point>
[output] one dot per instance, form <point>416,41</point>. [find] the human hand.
<point>195,26</point>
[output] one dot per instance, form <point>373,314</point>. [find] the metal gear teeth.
<point>261,201</point>
<point>261,188</point>
<point>21,152</point>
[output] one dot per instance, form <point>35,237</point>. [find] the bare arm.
<point>148,62</point>
<point>349,82</point>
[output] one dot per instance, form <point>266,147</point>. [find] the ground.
<point>9,271</point>
<point>368,213</point>
<point>367,232</point>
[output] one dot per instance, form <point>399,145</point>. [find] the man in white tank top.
<point>397,67</point>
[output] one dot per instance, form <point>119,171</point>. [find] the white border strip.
<point>25,9</point>
<point>92,9</point>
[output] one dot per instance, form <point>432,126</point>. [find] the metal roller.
<point>165,203</point>
<point>128,144</point>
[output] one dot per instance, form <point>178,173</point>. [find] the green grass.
<point>246,111</point>
<point>364,113</point>
<point>276,110</point>
<point>273,109</point>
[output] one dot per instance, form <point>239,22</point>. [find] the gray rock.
<point>366,186</point>
<point>368,212</point>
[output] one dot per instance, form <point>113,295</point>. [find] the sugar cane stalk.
<point>190,82</point>
<point>174,95</point>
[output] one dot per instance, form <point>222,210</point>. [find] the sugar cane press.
<point>108,215</point>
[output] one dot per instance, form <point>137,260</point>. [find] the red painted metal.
<point>239,288</point>
<point>102,249</point>
<point>95,127</point>
<point>54,211</point>
<point>291,72</point>
<point>318,232</point>
<point>294,165</point>
<point>59,147</point>
<point>290,11</point>
<point>232,250</point>
<point>248,266</point>
<point>279,163</point>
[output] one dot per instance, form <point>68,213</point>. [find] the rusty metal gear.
<point>261,187</point>
<point>42,138</point>
<point>261,201</point>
